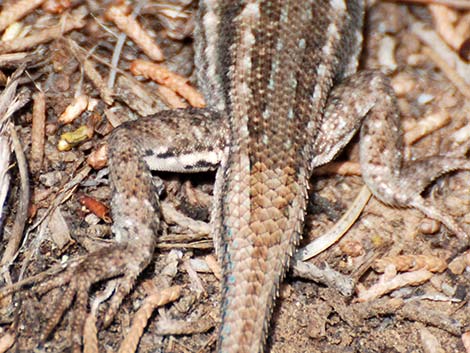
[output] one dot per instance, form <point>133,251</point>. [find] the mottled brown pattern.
<point>279,78</point>
<point>281,71</point>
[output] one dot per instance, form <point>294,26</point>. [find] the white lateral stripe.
<point>185,162</point>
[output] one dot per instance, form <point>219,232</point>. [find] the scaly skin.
<point>279,79</point>
<point>274,94</point>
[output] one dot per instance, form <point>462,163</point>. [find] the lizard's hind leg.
<point>367,98</point>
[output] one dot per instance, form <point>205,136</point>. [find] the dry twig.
<point>426,127</point>
<point>387,284</point>
<point>450,63</point>
<point>411,263</point>
<point>22,212</point>
<point>163,76</point>
<point>340,168</point>
<point>38,131</point>
<point>106,94</point>
<point>183,327</point>
<point>46,35</point>
<point>444,19</point>
<point>168,295</point>
<point>90,332</point>
<point>332,278</point>
<point>339,229</point>
<point>119,15</point>
<point>415,311</point>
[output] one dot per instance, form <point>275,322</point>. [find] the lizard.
<point>284,97</point>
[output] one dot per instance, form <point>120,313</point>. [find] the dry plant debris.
<point>17,10</point>
<point>96,207</point>
<point>390,282</point>
<point>38,131</point>
<point>74,109</point>
<point>154,300</point>
<point>175,82</point>
<point>411,263</point>
<point>84,78</point>
<point>127,24</point>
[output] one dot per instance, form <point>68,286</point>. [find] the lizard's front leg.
<point>181,141</point>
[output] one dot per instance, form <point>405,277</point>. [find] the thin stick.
<point>119,45</point>
<point>70,23</point>
<point>339,229</point>
<point>449,62</point>
<point>22,212</point>
<point>451,74</point>
<point>38,131</point>
<point>168,295</point>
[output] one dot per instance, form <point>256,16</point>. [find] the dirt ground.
<point>420,47</point>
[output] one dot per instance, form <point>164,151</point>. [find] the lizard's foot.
<point>78,277</point>
<point>391,179</point>
<point>404,188</point>
<point>399,183</point>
